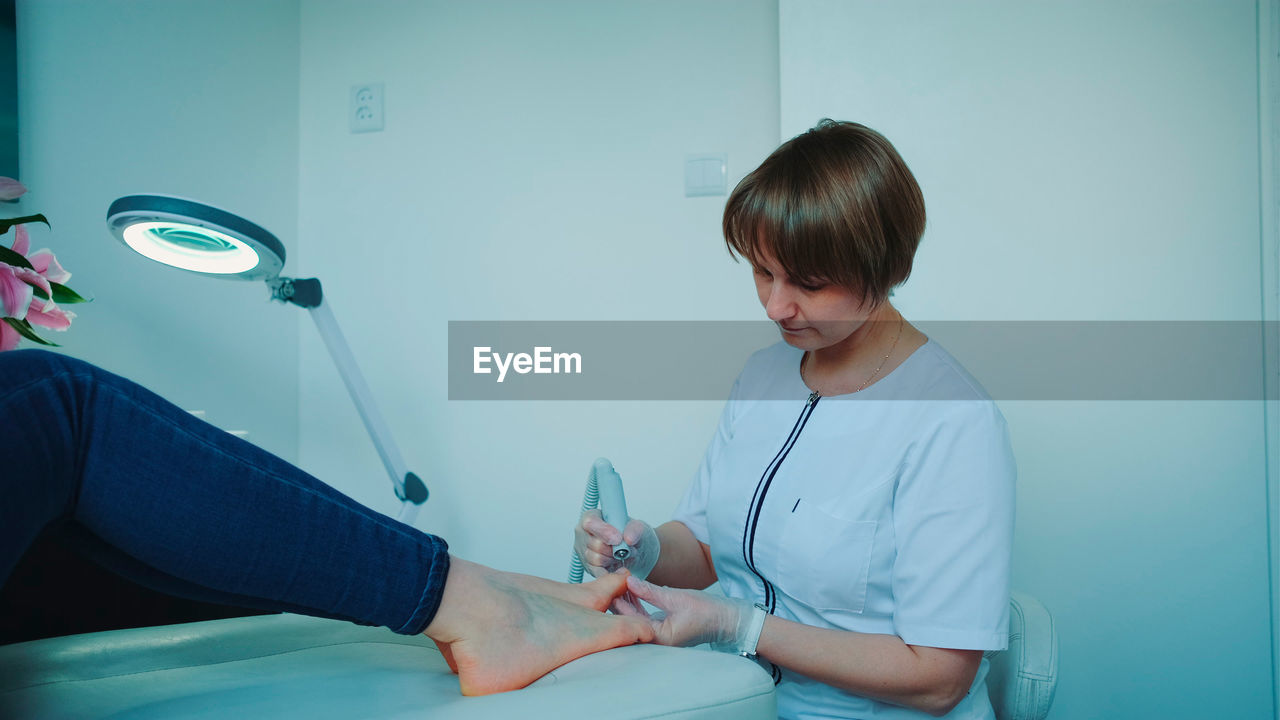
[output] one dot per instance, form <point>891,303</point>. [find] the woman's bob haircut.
<point>836,204</point>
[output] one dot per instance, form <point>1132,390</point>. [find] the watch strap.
<point>751,638</point>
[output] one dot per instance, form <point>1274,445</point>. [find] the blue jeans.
<point>180,506</point>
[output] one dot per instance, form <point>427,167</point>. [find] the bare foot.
<point>599,594</point>
<point>447,651</point>
<point>500,631</point>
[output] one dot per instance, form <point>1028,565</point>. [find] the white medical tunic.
<point>886,511</point>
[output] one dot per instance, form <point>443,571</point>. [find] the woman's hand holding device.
<point>594,540</point>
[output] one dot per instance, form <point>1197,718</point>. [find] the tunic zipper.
<point>757,505</point>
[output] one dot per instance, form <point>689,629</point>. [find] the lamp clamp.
<point>415,491</point>
<point>305,292</point>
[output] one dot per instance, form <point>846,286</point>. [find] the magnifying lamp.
<point>203,239</point>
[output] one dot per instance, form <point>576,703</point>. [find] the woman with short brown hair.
<point>856,502</point>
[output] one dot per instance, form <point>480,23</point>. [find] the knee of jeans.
<point>18,367</point>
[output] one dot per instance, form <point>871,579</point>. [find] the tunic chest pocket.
<point>825,559</point>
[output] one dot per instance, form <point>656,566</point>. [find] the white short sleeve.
<point>953,518</point>
<point>692,510</point>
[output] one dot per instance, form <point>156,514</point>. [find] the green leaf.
<point>64,295</point>
<point>6,223</point>
<point>14,258</point>
<point>25,330</point>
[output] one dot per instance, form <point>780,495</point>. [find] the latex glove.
<point>593,540</point>
<point>694,617</point>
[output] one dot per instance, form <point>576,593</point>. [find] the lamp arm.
<point>308,293</point>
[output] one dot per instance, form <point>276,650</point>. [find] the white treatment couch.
<point>290,666</point>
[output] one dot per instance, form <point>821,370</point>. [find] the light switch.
<point>706,174</point>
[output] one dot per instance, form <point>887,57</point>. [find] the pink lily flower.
<point>11,189</point>
<point>18,300</point>
<point>9,338</point>
<point>19,285</point>
<point>35,280</point>
<point>47,265</point>
<point>44,313</point>
<point>15,294</point>
<point>42,260</point>
<point>21,240</point>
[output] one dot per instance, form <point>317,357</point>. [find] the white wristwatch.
<point>752,637</point>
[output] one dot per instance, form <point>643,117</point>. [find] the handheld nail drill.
<point>604,490</point>
<point>613,504</point>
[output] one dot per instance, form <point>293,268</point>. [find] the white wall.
<point>1089,161</point>
<point>531,168</point>
<point>195,98</point>
<point>1081,161</point>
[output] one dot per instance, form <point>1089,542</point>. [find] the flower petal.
<point>15,295</point>
<point>21,243</point>
<point>51,316</point>
<point>9,338</point>
<point>34,279</point>
<point>11,189</point>
<point>47,265</point>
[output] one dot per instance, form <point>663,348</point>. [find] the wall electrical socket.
<point>366,107</point>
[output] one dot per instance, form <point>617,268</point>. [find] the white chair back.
<point>1023,678</point>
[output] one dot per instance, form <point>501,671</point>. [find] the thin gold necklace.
<point>878,367</point>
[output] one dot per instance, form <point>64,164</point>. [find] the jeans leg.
<point>185,507</point>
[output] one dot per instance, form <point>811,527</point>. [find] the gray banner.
<point>698,360</point>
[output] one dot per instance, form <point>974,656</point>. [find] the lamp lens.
<point>194,239</point>
<point>191,247</point>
